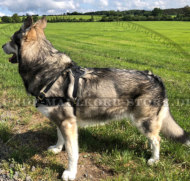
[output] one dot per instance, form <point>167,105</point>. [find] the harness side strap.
<point>41,96</point>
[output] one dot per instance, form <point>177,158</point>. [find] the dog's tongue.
<point>13,59</point>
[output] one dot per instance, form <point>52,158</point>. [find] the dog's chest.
<point>45,110</point>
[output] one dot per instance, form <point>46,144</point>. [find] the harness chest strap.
<point>53,101</point>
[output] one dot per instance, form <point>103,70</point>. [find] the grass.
<point>161,47</point>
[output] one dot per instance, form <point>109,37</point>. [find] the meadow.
<point>115,152</point>
<point>77,17</point>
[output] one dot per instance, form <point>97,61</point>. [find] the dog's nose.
<point>3,46</point>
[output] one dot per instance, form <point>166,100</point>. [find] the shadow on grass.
<point>22,147</point>
<point>91,142</point>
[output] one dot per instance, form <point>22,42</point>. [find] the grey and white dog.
<point>102,94</point>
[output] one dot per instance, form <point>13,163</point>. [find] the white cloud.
<point>150,4</point>
<point>88,1</point>
<point>180,3</point>
<point>61,6</point>
<point>160,4</point>
<point>30,12</point>
<point>139,4</point>
<point>2,14</point>
<point>120,6</point>
<point>43,6</point>
<point>104,2</point>
<point>51,11</point>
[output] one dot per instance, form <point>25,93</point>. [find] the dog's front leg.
<point>59,145</point>
<point>69,131</point>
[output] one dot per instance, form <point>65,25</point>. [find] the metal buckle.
<point>41,96</point>
<point>75,101</point>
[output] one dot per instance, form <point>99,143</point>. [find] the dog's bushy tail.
<point>170,128</point>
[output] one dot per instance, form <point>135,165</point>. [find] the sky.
<point>9,7</point>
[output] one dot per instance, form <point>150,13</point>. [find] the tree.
<point>179,17</point>
<point>127,18</point>
<point>15,18</point>
<point>6,19</point>
<point>157,12</point>
<point>92,18</point>
<point>147,13</point>
<point>104,19</point>
<point>186,11</point>
<point>35,18</point>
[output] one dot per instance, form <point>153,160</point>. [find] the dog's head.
<point>28,33</point>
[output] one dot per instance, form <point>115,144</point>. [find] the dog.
<point>72,96</point>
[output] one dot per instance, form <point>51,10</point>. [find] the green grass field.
<point>85,17</point>
<point>112,152</point>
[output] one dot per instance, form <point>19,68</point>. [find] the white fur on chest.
<point>46,110</point>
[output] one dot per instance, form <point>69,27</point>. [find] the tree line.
<point>16,19</point>
<point>157,14</point>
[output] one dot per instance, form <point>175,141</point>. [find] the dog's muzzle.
<point>3,46</point>
<point>12,59</point>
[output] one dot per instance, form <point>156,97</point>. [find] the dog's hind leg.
<point>151,129</point>
<point>153,135</point>
<point>59,145</point>
<point>69,130</point>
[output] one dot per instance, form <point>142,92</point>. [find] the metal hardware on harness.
<point>75,101</point>
<point>41,96</point>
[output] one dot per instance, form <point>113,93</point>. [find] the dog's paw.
<point>68,175</point>
<point>54,149</point>
<point>152,161</point>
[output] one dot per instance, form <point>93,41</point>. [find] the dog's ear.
<point>27,23</point>
<point>31,35</point>
<point>42,23</point>
<point>29,32</point>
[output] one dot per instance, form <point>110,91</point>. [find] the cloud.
<point>2,14</point>
<point>150,4</point>
<point>62,6</point>
<point>43,6</point>
<point>104,2</point>
<point>139,4</point>
<point>51,11</point>
<point>88,1</point>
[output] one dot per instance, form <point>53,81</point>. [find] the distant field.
<point>86,17</point>
<point>117,151</point>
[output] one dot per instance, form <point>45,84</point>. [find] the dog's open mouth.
<point>13,59</point>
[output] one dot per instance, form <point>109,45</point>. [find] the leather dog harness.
<point>77,73</point>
